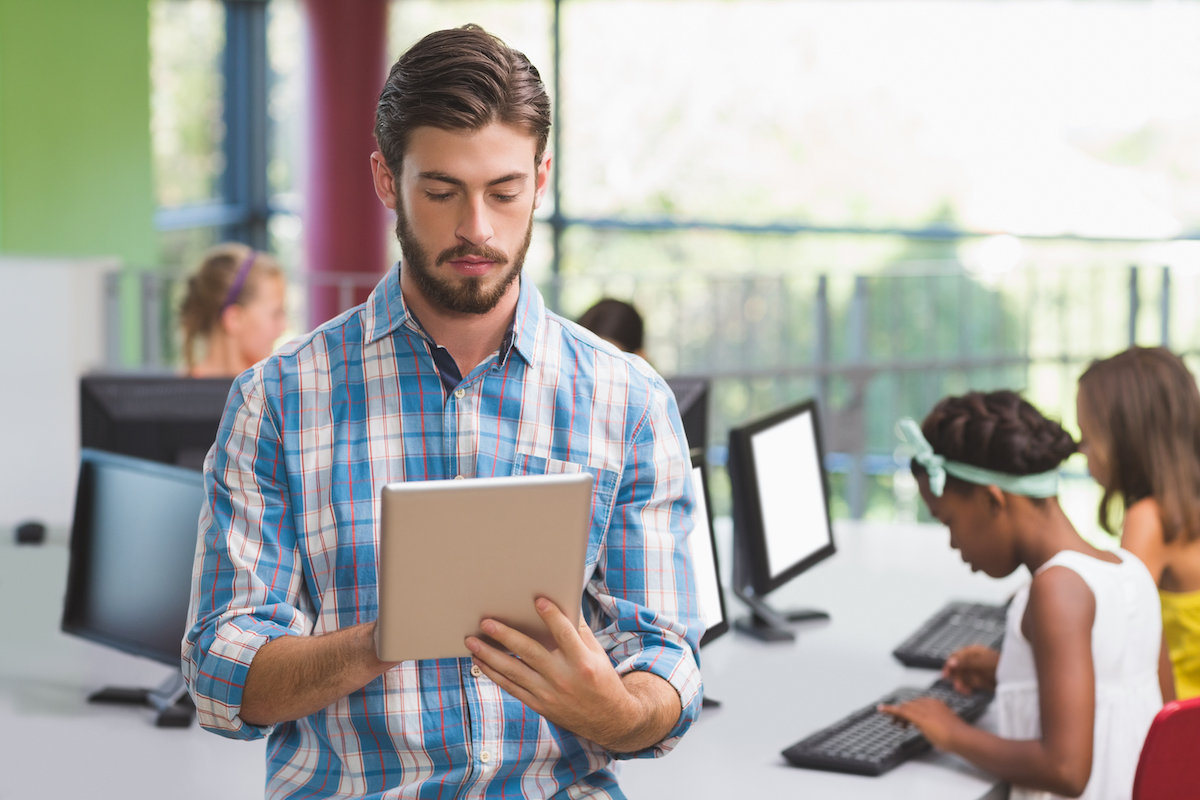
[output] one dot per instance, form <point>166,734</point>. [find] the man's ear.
<point>543,181</point>
<point>385,182</point>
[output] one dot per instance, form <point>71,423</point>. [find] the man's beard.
<point>471,297</point>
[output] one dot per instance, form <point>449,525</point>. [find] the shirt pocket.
<point>604,487</point>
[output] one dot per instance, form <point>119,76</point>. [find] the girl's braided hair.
<point>999,431</point>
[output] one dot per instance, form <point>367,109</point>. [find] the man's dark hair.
<point>999,431</point>
<point>461,79</point>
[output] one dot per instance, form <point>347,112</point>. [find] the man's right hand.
<point>971,668</point>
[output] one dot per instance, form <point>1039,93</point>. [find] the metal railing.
<point>878,346</point>
<point>870,347</point>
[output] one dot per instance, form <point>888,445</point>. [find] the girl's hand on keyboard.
<point>933,718</point>
<point>972,668</point>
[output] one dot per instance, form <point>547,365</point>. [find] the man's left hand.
<point>576,685</point>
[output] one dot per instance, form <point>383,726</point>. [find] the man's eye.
<point>439,197</point>
<point>507,198</point>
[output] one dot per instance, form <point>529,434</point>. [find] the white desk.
<point>881,584</point>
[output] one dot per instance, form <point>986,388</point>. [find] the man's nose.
<point>475,227</point>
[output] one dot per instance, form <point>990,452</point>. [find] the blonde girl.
<point>234,307</point>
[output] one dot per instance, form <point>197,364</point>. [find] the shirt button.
<point>476,671</point>
<point>485,756</point>
<point>460,393</point>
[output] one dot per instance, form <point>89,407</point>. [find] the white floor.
<point>54,744</point>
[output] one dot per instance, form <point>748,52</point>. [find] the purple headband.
<point>239,281</point>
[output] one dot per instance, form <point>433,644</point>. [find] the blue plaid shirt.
<point>288,544</point>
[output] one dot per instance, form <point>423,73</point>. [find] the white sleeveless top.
<point>1126,637</point>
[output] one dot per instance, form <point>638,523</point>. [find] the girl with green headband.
<point>1076,678</point>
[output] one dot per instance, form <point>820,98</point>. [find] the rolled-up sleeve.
<point>644,581</point>
<point>246,580</point>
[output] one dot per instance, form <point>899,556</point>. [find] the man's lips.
<point>471,266</point>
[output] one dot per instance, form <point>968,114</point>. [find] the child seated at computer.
<point>1139,413</point>
<point>235,304</point>
<point>1076,678</point>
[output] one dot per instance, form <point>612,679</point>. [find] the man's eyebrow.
<point>512,176</point>
<point>442,177</point>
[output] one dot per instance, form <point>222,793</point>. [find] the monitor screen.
<point>691,395</point>
<point>791,494</point>
<point>132,546</point>
<point>165,418</point>
<point>703,546</point>
<point>781,508</point>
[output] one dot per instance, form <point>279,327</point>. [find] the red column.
<point>345,225</point>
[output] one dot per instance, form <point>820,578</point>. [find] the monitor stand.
<point>769,625</point>
<point>170,699</point>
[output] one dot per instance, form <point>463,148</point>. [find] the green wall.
<point>75,157</point>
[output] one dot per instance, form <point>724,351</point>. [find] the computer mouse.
<point>31,532</point>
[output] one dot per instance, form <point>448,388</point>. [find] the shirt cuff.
<point>677,667</point>
<point>219,678</point>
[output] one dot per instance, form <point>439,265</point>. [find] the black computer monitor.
<point>165,418</point>
<point>691,395</point>
<point>780,512</point>
<point>133,542</point>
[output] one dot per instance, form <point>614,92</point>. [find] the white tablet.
<point>455,552</point>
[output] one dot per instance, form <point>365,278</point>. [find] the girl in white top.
<point>1076,680</point>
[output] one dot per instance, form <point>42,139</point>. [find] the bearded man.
<point>452,368</point>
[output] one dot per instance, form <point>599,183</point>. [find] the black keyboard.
<point>954,627</point>
<point>869,742</point>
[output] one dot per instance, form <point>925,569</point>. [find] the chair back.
<point>1169,767</point>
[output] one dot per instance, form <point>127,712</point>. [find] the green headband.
<point>1043,484</point>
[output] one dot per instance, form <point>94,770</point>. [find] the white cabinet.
<point>52,330</point>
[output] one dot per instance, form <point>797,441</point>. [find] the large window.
<point>227,117</point>
<point>187,43</point>
<point>762,119</point>
<point>876,202</point>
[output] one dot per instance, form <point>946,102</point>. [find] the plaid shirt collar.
<point>385,311</point>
